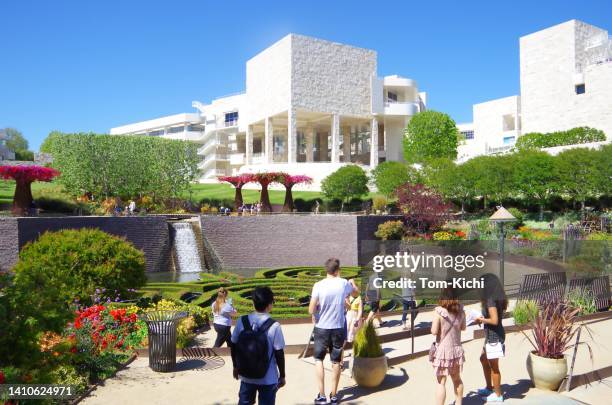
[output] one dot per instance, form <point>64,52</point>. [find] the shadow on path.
<point>348,394</point>
<point>516,391</point>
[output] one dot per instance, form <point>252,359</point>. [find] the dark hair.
<point>332,265</point>
<point>449,300</point>
<point>262,297</point>
<point>493,291</point>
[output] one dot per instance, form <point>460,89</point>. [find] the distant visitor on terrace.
<point>24,176</point>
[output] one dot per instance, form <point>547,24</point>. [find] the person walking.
<point>223,311</point>
<point>494,303</point>
<point>327,302</point>
<point>408,298</point>
<point>373,296</point>
<point>446,354</point>
<point>258,353</point>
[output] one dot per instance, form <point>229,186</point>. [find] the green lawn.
<point>226,191</point>
<point>39,189</point>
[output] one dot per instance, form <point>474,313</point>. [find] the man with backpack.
<point>328,303</point>
<point>258,352</point>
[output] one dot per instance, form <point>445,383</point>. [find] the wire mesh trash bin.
<point>162,327</point>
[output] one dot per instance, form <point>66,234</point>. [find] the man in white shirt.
<point>328,302</point>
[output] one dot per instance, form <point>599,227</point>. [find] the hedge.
<point>572,136</point>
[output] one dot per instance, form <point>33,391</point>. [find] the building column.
<point>374,143</point>
<point>310,134</point>
<point>291,136</point>
<point>249,145</point>
<point>346,144</point>
<point>268,140</point>
<point>335,138</point>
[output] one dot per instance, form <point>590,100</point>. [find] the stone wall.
<point>287,240</point>
<point>149,234</point>
<point>9,243</point>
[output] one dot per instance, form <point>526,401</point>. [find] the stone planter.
<point>546,374</point>
<point>369,372</point>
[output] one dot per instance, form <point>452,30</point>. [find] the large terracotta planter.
<point>545,373</point>
<point>369,371</point>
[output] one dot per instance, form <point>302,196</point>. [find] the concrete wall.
<point>268,81</point>
<point>287,240</point>
<point>552,62</point>
<point>489,122</point>
<point>149,234</point>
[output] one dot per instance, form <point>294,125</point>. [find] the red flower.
<point>73,349</point>
<point>2,377</point>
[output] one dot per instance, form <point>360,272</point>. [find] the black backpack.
<point>251,349</point>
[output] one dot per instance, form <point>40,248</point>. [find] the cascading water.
<point>186,247</point>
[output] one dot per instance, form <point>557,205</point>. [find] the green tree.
<point>388,176</point>
<point>345,183</point>
<point>534,177</point>
<point>122,166</point>
<point>494,177</point>
<point>15,140</point>
<point>578,174</point>
<point>430,134</point>
<point>452,181</point>
<point>604,164</point>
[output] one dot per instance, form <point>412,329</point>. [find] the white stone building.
<point>565,82</point>
<point>310,106</point>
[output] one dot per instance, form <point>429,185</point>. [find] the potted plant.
<point>370,362</point>
<point>553,330</point>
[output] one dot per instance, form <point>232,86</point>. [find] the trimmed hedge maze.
<point>291,286</point>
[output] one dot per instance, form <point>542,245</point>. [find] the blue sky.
<point>91,65</point>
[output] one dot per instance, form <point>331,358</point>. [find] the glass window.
<point>195,127</point>
<point>509,140</point>
<point>580,89</point>
<point>156,133</point>
<point>391,96</point>
<point>468,134</point>
<point>174,130</point>
<point>231,118</point>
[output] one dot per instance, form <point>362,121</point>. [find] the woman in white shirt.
<point>223,311</point>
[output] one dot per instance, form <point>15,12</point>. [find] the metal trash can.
<point>162,327</point>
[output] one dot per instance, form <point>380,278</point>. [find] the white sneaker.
<point>494,398</point>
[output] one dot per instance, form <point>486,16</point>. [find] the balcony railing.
<point>231,123</point>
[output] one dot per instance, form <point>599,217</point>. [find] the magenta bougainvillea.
<point>238,182</point>
<point>289,181</point>
<point>24,176</point>
<point>264,179</point>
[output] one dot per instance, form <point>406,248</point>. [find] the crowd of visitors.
<point>257,341</point>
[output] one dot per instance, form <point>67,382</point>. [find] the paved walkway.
<point>194,383</point>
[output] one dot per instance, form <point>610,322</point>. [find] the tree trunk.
<point>288,205</point>
<point>541,211</point>
<point>238,198</point>
<point>582,210</point>
<point>265,199</point>
<point>462,209</point>
<point>22,200</point>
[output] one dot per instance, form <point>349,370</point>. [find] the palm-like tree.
<point>238,182</point>
<point>24,176</point>
<point>289,181</point>
<point>264,179</point>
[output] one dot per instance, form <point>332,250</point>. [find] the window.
<point>174,130</point>
<point>391,96</point>
<point>195,127</point>
<point>509,140</point>
<point>156,133</point>
<point>580,89</point>
<point>231,118</point>
<point>468,134</point>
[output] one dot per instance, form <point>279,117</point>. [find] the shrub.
<point>583,300</point>
<point>388,176</point>
<point>423,208</point>
<point>379,203</point>
<point>448,235</point>
<point>367,343</point>
<point>572,136</point>
<point>61,267</point>
<point>518,214</point>
<point>429,135</point>
<point>525,311</point>
<point>390,230</point>
<point>345,183</point>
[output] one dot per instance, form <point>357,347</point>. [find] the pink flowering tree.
<point>24,176</point>
<point>289,181</point>
<point>264,179</point>
<point>238,182</point>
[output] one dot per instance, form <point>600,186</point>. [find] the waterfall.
<point>186,247</point>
